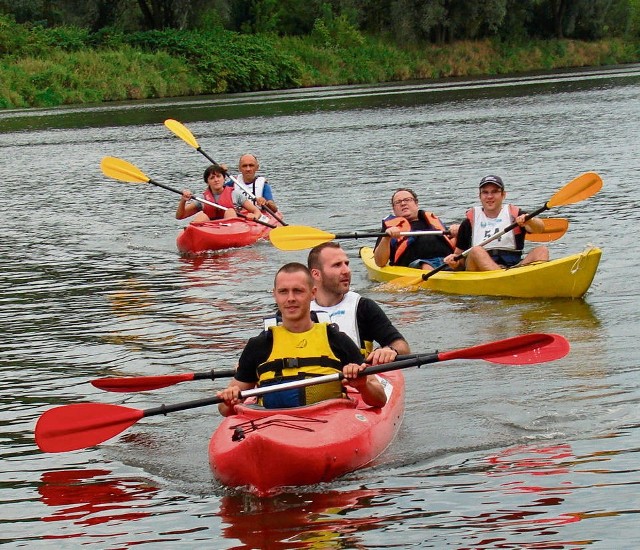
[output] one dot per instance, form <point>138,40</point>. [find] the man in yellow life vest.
<point>299,348</point>
<point>423,252</point>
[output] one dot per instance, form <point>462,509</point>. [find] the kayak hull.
<point>277,448</point>
<point>567,277</point>
<point>219,235</point>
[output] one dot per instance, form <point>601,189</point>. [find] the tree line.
<point>401,22</point>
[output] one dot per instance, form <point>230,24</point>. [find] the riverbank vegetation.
<point>69,52</point>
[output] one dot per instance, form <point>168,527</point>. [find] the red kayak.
<point>268,449</point>
<point>220,234</point>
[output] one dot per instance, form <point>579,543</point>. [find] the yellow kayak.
<point>568,277</point>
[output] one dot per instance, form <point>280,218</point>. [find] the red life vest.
<point>224,199</point>
<point>405,225</point>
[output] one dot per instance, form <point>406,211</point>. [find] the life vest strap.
<point>278,365</point>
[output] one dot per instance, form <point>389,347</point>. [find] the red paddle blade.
<point>72,427</point>
<point>527,349</point>
<point>140,383</point>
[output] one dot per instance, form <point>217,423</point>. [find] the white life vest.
<point>257,187</point>
<point>343,314</point>
<point>485,227</point>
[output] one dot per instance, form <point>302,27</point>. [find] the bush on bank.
<point>44,67</point>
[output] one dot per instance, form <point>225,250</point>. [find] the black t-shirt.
<point>373,323</point>
<point>259,348</point>
<point>423,247</point>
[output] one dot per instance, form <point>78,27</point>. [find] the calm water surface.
<point>542,456</point>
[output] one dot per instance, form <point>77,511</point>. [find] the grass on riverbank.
<point>49,67</point>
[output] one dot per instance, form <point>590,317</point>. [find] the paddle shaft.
<point>523,348</point>
<point>147,383</point>
<point>255,392</point>
<point>363,234</point>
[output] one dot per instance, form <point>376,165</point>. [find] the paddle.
<point>122,170</point>
<point>148,383</point>
<point>578,189</point>
<point>80,425</point>
<point>185,135</point>
<point>299,237</point>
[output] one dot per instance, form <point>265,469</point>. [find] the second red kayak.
<point>220,234</point>
<point>268,449</point>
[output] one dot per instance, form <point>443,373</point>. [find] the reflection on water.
<point>92,497</point>
<point>133,299</point>
<point>532,460</point>
<point>331,519</point>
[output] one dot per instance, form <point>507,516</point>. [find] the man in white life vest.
<point>360,318</point>
<point>481,222</point>
<point>257,185</point>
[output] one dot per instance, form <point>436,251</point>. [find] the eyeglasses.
<point>406,200</point>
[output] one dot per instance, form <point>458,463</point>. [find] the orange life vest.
<point>405,225</point>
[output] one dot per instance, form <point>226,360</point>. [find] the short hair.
<point>413,193</point>
<point>214,169</point>
<point>249,155</point>
<point>313,260</point>
<point>294,267</point>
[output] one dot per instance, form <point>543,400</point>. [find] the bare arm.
<point>452,262</point>
<point>231,396</point>
<point>252,208</point>
<point>382,252</point>
<point>534,225</point>
<point>185,208</point>
<point>401,346</point>
<point>370,388</point>
<point>388,353</point>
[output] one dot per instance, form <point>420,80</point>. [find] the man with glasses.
<point>481,222</point>
<point>426,251</point>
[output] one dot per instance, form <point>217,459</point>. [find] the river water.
<point>488,456</point>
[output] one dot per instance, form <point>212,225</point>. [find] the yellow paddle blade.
<point>554,228</point>
<point>298,237</point>
<point>582,187</point>
<point>182,132</point>
<point>410,282</point>
<point>122,170</point>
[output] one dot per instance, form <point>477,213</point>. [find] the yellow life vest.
<point>296,356</point>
